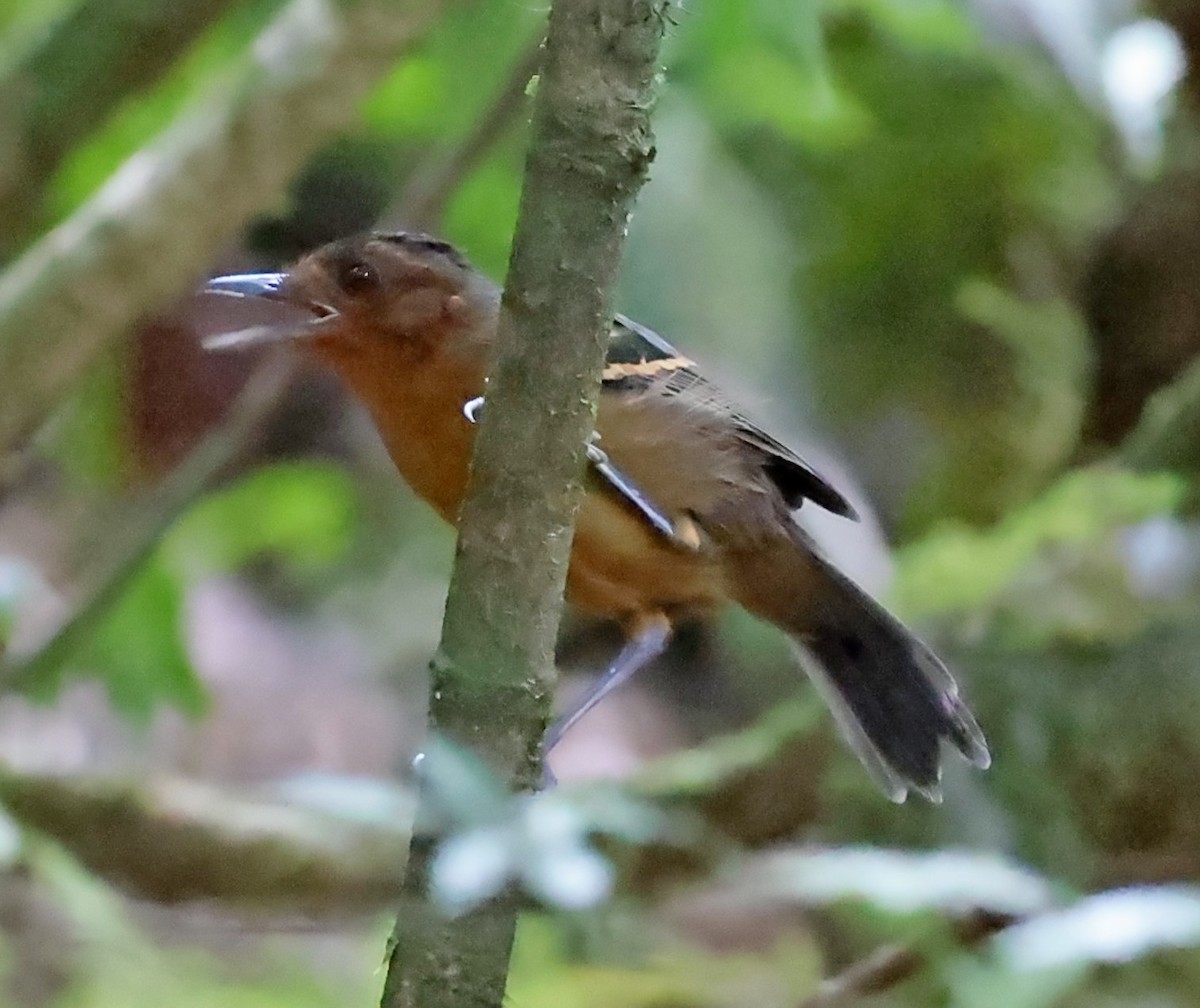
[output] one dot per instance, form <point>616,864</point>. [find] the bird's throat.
<point>417,407</point>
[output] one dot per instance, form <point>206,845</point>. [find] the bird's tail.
<point>892,697</point>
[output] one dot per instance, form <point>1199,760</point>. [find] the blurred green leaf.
<point>976,982</point>
<point>138,650</point>
<point>932,25</point>
<point>471,867</point>
<point>303,512</point>
<point>956,568</point>
<point>22,23</point>
<point>142,117</point>
<point>484,209</point>
<point>898,882</point>
<point>544,841</point>
<point>939,196</point>
<point>571,877</point>
<point>91,436</point>
<point>632,962</point>
<point>439,94</point>
<point>1096,748</point>
<point>458,789</point>
<point>409,100</point>
<point>1048,361</point>
<point>763,63</point>
<point>755,86</point>
<point>1112,927</point>
<point>356,799</point>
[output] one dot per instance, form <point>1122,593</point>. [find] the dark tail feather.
<point>892,697</point>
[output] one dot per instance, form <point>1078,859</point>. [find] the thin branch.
<point>890,965</point>
<point>148,519</point>
<point>423,200</point>
<point>71,79</point>
<point>173,840</point>
<point>589,155</point>
<point>170,840</point>
<point>885,967</point>
<point>168,210</point>
<point>179,839</point>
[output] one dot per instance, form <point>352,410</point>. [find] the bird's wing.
<point>638,356</point>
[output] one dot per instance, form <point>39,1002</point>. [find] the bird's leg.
<point>648,640</point>
<point>682,531</point>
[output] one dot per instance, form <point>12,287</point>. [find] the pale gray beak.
<point>262,285</point>
<point>268,286</point>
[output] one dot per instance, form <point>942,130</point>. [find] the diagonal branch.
<point>168,210</point>
<point>172,840</point>
<point>71,79</point>
<point>890,965</point>
<point>422,201</point>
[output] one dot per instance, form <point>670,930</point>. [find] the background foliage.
<point>947,248</point>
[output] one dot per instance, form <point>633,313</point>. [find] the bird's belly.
<point>620,566</point>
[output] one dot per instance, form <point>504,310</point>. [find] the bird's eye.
<point>357,278</point>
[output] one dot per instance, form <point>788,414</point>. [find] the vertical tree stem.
<point>590,153</point>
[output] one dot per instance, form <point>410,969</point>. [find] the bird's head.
<point>394,294</point>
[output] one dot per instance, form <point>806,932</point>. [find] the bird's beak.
<point>270,287</point>
<point>259,285</point>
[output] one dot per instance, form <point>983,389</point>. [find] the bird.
<point>688,505</point>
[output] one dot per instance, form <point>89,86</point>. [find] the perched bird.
<point>688,504</point>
